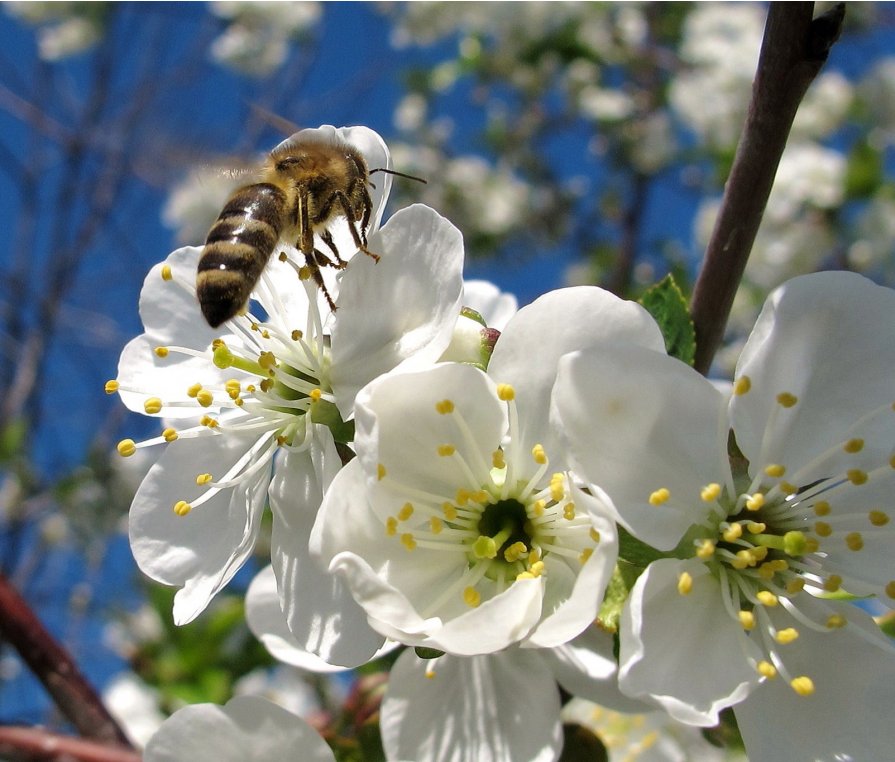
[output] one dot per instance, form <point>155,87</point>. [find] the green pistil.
<point>487,547</point>
<point>792,543</point>
<point>224,358</point>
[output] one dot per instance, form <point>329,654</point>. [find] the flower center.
<point>504,519</point>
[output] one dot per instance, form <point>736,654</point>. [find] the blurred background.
<point>570,142</point>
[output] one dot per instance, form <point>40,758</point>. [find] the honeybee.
<point>306,183</point>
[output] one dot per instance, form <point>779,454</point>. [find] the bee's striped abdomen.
<point>237,249</point>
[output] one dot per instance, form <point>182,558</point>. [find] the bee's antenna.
<point>399,174</point>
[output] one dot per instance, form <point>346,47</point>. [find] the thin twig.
<point>792,53</point>
<point>27,744</point>
<point>55,668</point>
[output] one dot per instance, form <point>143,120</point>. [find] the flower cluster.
<point>488,486</point>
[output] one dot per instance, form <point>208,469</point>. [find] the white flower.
<point>458,526</point>
<point>501,707</point>
<point>246,729</point>
<point>755,555</point>
<point>233,397</point>
<point>134,705</point>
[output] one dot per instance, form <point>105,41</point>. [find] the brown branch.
<point>792,52</point>
<point>54,667</point>
<point>27,744</point>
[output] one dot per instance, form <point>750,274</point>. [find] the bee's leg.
<point>306,233</point>
<point>328,240</point>
<point>314,268</point>
<point>360,238</point>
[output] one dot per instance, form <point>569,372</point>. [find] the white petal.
<point>401,310</point>
<point>571,607</point>
<point>494,305</point>
<point>246,728</point>
<point>826,338</point>
<point>204,549</point>
<point>849,715</point>
<point>268,623</point>
<point>635,421</point>
<point>586,667</point>
<point>498,708</point>
<point>561,321</point>
<point>683,651</point>
<point>321,614</point>
<point>398,426</point>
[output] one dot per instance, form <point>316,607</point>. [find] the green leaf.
<point>864,173</point>
<point>667,305</point>
<point>427,653</point>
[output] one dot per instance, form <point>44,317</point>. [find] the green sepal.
<point>325,412</point>
<point>427,653</point>
<point>668,306</point>
<point>623,578</point>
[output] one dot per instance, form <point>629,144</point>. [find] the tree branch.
<point>793,51</point>
<point>54,667</point>
<point>27,744</point>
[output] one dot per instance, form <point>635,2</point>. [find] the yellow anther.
<point>766,669</point>
<point>391,526</point>
<point>890,589</point>
<point>471,597</point>
<point>194,390</point>
<point>710,492</point>
<point>497,460</point>
<point>822,529</point>
<point>742,386</point>
<point>407,541</point>
<point>111,386</point>
<point>233,388</point>
<point>785,399</point>
<point>775,470</point>
<point>836,621</point>
<point>516,551</point>
<point>444,407</point>
<point>436,524</point>
<point>266,385</point>
<point>585,554</point>
<point>462,497</point>
<point>283,256</point>
<point>732,533</point>
<point>297,335</point>
<point>406,512</point>
<point>380,472</point>
<point>854,541</point>
<point>203,479</point>
<point>802,685</point>
<point>207,420</point>
<point>446,450</point>
<point>316,395</point>
<point>525,575</point>
<point>282,440</point>
<point>166,272</point>
<point>537,452</point>
<point>568,512</point>
<point>833,583</point>
<point>853,445</point>
<point>557,488</point>
<point>205,398</point>
<point>822,508</point>
<point>795,585</point>
<point>127,447</point>
<point>787,635</point>
<point>538,508</point>
<point>747,619</point>
<point>449,511</point>
<point>660,496</point>
<point>756,527</point>
<point>182,507</point>
<point>755,502</point>
<point>169,434</point>
<point>787,488</point>
<point>878,518</point>
<point>534,556</point>
<point>594,534</point>
<point>161,351</point>
<point>811,545</point>
<point>481,497</point>
<point>506,392</point>
<point>537,568</point>
<point>152,405</point>
<point>766,598</point>
<point>684,583</point>
<point>856,476</point>
<point>705,548</point>
<point>267,360</point>
<point>747,558</point>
